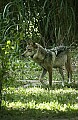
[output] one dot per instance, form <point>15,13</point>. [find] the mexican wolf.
<point>49,59</point>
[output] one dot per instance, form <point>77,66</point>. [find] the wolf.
<point>57,57</point>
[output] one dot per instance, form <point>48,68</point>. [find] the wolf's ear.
<point>35,45</point>
<point>32,44</point>
<point>29,42</point>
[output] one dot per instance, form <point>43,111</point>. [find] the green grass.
<point>39,103</point>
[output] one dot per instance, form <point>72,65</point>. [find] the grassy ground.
<point>38,103</point>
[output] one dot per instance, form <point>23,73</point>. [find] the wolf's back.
<point>60,49</point>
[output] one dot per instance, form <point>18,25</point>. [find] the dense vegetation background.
<point>48,22</point>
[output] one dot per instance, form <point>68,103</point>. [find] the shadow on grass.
<point>37,114</point>
<point>39,96</point>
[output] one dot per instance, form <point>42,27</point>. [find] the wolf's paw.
<point>42,81</point>
<point>63,84</point>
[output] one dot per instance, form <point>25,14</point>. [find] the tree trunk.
<point>0,92</point>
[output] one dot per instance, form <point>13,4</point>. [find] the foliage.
<point>47,22</point>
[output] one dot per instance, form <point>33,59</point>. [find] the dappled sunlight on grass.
<point>37,103</point>
<point>40,98</point>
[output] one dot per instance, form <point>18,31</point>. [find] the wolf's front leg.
<point>42,75</point>
<point>62,75</point>
<point>50,76</point>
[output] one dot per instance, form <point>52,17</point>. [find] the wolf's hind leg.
<point>69,72</point>
<point>62,75</point>
<point>42,75</point>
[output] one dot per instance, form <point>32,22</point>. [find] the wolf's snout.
<point>23,55</point>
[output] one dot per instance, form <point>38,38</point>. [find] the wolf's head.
<point>35,51</point>
<point>31,49</point>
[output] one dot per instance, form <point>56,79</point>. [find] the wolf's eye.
<point>29,50</point>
